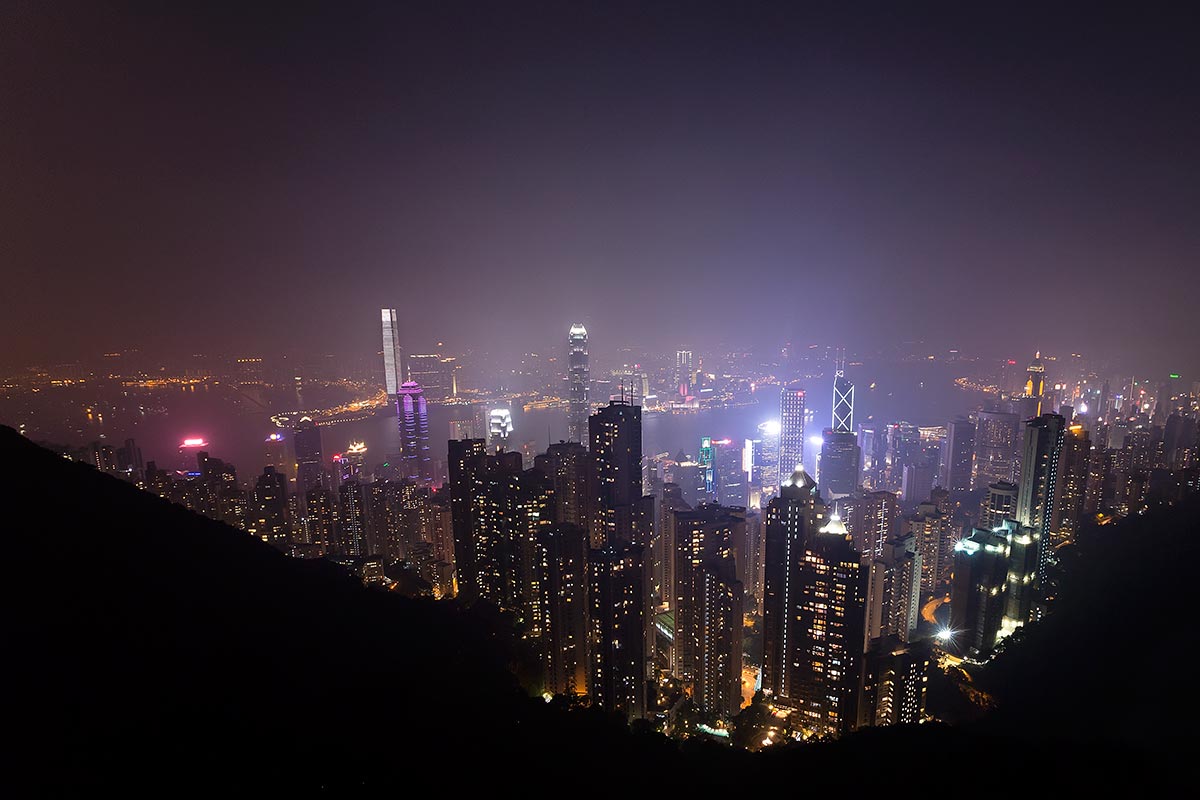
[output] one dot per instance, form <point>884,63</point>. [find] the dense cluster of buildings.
<point>811,572</point>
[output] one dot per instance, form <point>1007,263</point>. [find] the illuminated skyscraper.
<point>832,587</point>
<point>791,519</point>
<point>275,454</point>
<point>395,371</point>
<point>567,464</point>
<point>266,518</point>
<point>466,465</point>
<point>1039,483</point>
<point>500,428</point>
<point>979,594</point>
<point>958,455</point>
<point>871,519</point>
<point>999,504</point>
<point>684,372</point>
<point>791,428</point>
<point>843,401</point>
<point>562,566</point>
<point>414,429</point>
<point>728,463</point>
<point>617,629</point>
<point>1035,383</point>
<point>764,474</point>
<point>615,488</point>
<point>434,373</point>
<point>579,379</point>
<point>995,447</point>
<point>1071,485</point>
<point>708,605</point>
<point>841,463</point>
<point>310,466</point>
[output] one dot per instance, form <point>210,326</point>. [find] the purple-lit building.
<point>413,419</point>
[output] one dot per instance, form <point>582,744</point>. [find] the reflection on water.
<point>236,420</point>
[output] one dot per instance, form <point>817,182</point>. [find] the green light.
<point>1174,375</point>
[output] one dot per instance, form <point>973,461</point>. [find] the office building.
<point>791,519</point>
<point>871,518</point>
<point>791,428</point>
<point>684,373</point>
<point>353,520</point>
<point>958,455</point>
<point>310,464</point>
<point>395,371</point>
<point>414,431</point>
<point>1035,386</point>
<point>579,383</point>
<point>916,484</point>
<point>995,447</point>
<point>841,463</point>
<point>1042,450</point>
<point>435,375</point>
<point>730,474</point>
<point>500,428</point>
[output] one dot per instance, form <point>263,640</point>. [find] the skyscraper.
<point>791,428</point>
<point>395,371</point>
<point>999,504</point>
<point>266,518</point>
<point>832,589</point>
<point>995,447</point>
<point>1035,383</point>
<point>579,380</point>
<point>310,465</point>
<point>1071,485</point>
<point>617,628</point>
<point>615,488</point>
<point>414,430</point>
<point>843,401</point>
<point>792,518</point>
<point>684,372</point>
<point>979,594</point>
<point>1039,483</point>
<point>708,605</point>
<point>728,463</point>
<point>871,519</point>
<point>567,464</point>
<point>841,463</point>
<point>466,464</point>
<point>434,373</point>
<point>562,564</point>
<point>958,455</point>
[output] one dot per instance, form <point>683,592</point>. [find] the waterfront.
<point>236,420</point>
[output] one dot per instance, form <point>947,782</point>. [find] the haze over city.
<point>240,178</point>
<point>526,397</point>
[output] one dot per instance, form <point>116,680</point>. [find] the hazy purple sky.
<point>244,177</point>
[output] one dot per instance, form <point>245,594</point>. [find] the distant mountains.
<point>149,649</point>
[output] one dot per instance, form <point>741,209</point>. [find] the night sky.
<point>262,177</point>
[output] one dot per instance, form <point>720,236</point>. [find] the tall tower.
<point>683,372</point>
<point>615,487</point>
<point>843,399</point>
<point>310,467</point>
<point>791,429</point>
<point>959,455</point>
<point>792,518</point>
<point>1039,483</point>
<point>832,587</point>
<point>395,371</point>
<point>579,378</point>
<point>414,432</point>
<point>995,447</point>
<point>1035,382</point>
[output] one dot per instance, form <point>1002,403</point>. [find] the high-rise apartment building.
<point>1041,453</point>
<point>615,487</point>
<point>310,464</point>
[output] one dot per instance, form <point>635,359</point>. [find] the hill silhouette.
<point>152,649</point>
